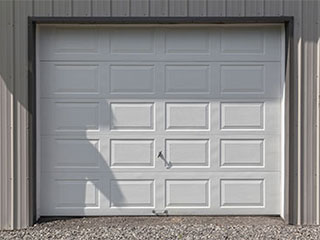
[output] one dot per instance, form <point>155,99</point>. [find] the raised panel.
<point>76,116</point>
<point>129,41</point>
<point>242,115</point>
<point>132,153</point>
<point>187,152</point>
<point>242,153</point>
<point>73,79</point>
<point>77,193</point>
<point>244,41</point>
<point>242,193</point>
<point>187,41</point>
<point>242,79</point>
<point>187,79</point>
<point>132,193</point>
<point>187,116</point>
<point>132,116</point>
<point>71,153</point>
<point>76,40</point>
<point>132,79</point>
<point>187,193</point>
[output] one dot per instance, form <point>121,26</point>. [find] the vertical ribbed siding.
<point>6,111</point>
<point>309,108</point>
<point>304,162</point>
<point>235,8</point>
<point>22,10</point>
<point>159,8</point>
<point>254,7</point>
<point>318,120</point>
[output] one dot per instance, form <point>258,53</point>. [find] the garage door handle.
<point>166,163</point>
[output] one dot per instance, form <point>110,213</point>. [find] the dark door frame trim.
<point>290,91</point>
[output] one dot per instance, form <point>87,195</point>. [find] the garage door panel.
<point>73,194</point>
<point>67,154</point>
<point>247,153</point>
<point>132,153</point>
<point>242,192</point>
<point>242,115</point>
<point>70,43</point>
<point>72,80</point>
<point>73,116</point>
<point>256,192</point>
<point>187,116</point>
<point>186,153</point>
<point>132,79</point>
<point>196,41</point>
<point>248,80</point>
<point>126,193</point>
<point>187,193</point>
<point>186,78</point>
<point>244,43</point>
<point>130,116</point>
<point>246,116</point>
<point>132,41</point>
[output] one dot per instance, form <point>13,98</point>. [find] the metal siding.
<point>235,8</point>
<point>197,8</point>
<point>139,8</point>
<point>120,8</point>
<point>6,93</point>
<point>81,8</point>
<point>274,7</point>
<point>178,8</point>
<point>159,8</point>
<point>216,8</point>
<point>304,189</point>
<point>293,8</point>
<point>254,7</point>
<point>309,40</point>
<point>101,7</point>
<point>62,8</point>
<point>21,176</point>
<point>43,7</point>
<point>318,121</point>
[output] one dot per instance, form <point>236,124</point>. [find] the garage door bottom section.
<point>142,193</point>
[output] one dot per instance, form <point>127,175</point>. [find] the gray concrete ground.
<point>145,228</point>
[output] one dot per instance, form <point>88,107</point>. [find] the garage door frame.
<point>290,138</point>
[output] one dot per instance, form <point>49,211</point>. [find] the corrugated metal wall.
<point>14,129</point>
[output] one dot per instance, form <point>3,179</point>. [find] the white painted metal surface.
<point>181,119</point>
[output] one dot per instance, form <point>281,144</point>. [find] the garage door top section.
<point>235,43</point>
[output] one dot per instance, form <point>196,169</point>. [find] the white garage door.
<point>184,119</point>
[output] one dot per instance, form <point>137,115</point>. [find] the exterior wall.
<point>304,197</point>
